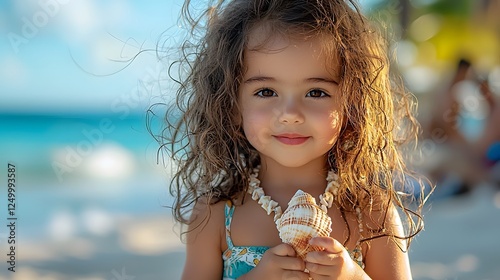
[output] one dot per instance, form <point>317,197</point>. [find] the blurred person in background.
<point>461,163</point>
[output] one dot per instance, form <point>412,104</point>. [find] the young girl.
<point>282,95</point>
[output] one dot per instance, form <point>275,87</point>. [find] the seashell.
<point>301,221</point>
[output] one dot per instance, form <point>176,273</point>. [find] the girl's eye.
<point>317,93</point>
<point>265,93</point>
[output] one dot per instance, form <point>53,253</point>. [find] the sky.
<point>59,56</point>
<point>67,56</point>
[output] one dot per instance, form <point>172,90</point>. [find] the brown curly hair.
<point>206,141</point>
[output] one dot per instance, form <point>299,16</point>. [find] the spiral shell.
<point>301,221</point>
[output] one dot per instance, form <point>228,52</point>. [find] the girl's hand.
<point>279,262</point>
<point>332,263</point>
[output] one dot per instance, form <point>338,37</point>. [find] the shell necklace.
<point>325,199</point>
<point>269,205</point>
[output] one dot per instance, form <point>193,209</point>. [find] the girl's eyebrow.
<point>321,80</point>
<point>271,79</point>
<point>259,79</point>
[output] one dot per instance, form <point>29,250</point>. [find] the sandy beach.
<point>460,240</point>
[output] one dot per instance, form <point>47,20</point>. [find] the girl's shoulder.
<point>207,218</point>
<point>386,245</point>
<point>204,240</point>
<point>209,213</point>
<point>382,218</point>
<point>208,208</point>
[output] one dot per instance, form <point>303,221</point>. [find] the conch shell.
<point>301,221</point>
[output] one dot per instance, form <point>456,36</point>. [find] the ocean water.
<point>58,152</point>
<point>35,136</point>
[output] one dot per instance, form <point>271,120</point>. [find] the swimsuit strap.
<point>228,213</point>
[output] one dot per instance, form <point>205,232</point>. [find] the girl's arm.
<point>384,259</point>
<point>203,242</point>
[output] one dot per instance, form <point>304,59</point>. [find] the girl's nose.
<point>291,113</point>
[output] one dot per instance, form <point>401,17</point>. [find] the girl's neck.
<point>278,180</point>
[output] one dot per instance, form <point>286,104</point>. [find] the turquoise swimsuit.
<point>238,260</point>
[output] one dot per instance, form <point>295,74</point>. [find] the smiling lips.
<point>291,139</point>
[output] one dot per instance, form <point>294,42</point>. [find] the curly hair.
<point>207,140</point>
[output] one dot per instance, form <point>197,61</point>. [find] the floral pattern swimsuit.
<point>238,260</point>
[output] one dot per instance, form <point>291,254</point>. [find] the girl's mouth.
<point>291,139</point>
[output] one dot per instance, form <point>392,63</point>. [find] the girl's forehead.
<point>262,39</point>
<point>285,59</point>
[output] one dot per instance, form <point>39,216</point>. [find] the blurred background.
<point>76,80</point>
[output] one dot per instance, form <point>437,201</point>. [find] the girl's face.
<point>290,100</point>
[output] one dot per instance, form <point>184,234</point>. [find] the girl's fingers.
<point>331,255</point>
<point>286,258</point>
<point>322,258</point>
<point>298,275</point>
<point>319,269</point>
<point>329,244</point>
<point>284,250</point>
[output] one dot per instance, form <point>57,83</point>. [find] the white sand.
<point>461,239</point>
